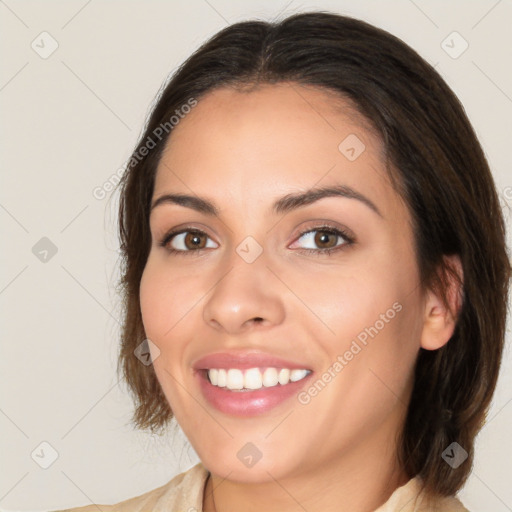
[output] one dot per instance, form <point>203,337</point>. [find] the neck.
<point>360,482</point>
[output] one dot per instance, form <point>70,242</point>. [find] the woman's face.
<point>255,280</point>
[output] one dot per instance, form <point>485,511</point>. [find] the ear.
<point>439,320</point>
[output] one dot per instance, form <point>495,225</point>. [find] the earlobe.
<point>440,319</point>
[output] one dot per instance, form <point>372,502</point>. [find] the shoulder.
<point>184,491</point>
<point>449,504</point>
<point>410,498</point>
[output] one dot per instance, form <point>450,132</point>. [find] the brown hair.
<point>440,171</point>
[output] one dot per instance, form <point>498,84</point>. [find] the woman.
<point>315,265</point>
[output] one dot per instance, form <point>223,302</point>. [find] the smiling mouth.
<point>253,379</point>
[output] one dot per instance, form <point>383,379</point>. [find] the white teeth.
<point>235,379</point>
<point>296,375</point>
<point>270,377</point>
<point>284,376</point>
<point>214,376</point>
<point>252,379</point>
<point>221,379</point>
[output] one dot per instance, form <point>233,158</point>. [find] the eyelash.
<point>348,240</point>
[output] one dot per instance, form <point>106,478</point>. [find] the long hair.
<point>437,166</point>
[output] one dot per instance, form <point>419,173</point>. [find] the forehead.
<point>273,138</point>
<point>284,111</point>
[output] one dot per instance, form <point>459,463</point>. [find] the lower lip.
<point>248,403</point>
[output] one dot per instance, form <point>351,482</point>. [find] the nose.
<point>248,295</point>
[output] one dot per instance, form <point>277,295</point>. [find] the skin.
<point>243,150</point>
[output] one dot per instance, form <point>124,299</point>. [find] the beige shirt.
<point>184,493</point>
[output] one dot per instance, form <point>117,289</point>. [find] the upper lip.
<point>245,360</point>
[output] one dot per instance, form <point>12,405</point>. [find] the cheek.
<point>350,301</point>
<point>379,340</point>
<point>152,295</point>
<point>374,315</point>
<point>166,297</point>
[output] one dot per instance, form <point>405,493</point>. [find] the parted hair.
<point>435,163</point>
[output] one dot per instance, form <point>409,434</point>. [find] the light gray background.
<point>69,122</point>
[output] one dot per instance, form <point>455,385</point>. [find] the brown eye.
<point>187,241</point>
<point>325,239</point>
<point>194,240</point>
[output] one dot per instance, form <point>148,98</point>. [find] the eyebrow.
<point>285,204</point>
